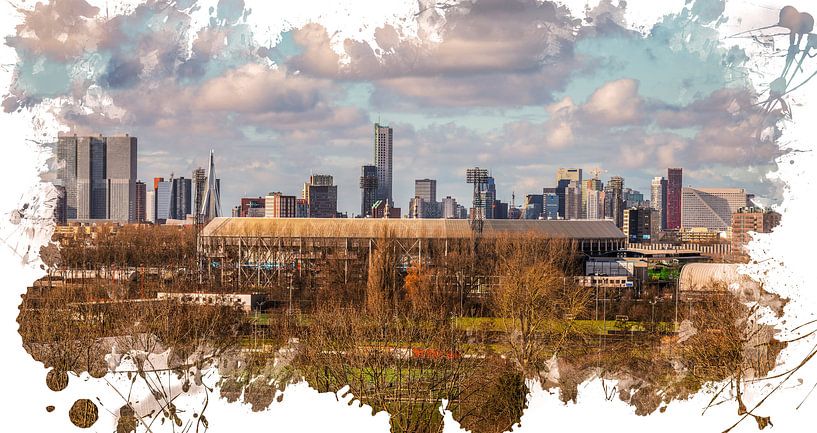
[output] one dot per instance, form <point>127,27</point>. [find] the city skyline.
<point>500,90</point>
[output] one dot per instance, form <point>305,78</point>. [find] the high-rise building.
<point>533,206</point>
<point>368,189</point>
<point>383,153</point>
<point>164,201</point>
<point>589,185</point>
<point>564,177</point>
<point>616,201</point>
<point>675,181</point>
<point>573,201</point>
<point>182,198</point>
<point>711,208</point>
<point>658,200</point>
<point>550,204</point>
<point>449,206</point>
<point>633,198</point>
<point>150,205</point>
<point>61,205</point>
<point>99,175</point>
<point>424,203</point>
<point>500,210</point>
<point>322,196</point>
<point>594,204</point>
<point>426,189</point>
<point>639,224</point>
<point>252,207</point>
<point>141,202</point>
<point>751,219</point>
<point>278,205</point>
<point>488,197</point>
<point>301,208</point>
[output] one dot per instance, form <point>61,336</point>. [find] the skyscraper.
<point>99,175</point>
<point>449,206</point>
<point>564,177</point>
<point>533,206</point>
<point>182,200</point>
<point>368,189</point>
<point>616,188</point>
<point>141,202</point>
<point>322,196</point>
<point>640,224</point>
<point>674,185</point>
<point>589,185</point>
<point>150,205</point>
<point>164,200</point>
<point>658,200</point>
<point>383,152</point>
<point>594,206</point>
<point>424,203</point>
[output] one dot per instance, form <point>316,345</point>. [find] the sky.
<point>521,87</point>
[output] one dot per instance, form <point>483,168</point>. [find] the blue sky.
<point>520,86</point>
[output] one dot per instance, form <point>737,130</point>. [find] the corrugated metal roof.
<point>406,228</point>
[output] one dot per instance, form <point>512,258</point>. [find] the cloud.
<point>491,52</point>
<point>615,103</point>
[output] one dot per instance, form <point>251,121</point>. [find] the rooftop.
<point>364,228</point>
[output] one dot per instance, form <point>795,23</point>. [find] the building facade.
<point>321,196</point>
<point>615,201</point>
<point>640,225</point>
<point>711,208</point>
<point>675,181</point>
<point>252,207</point>
<point>382,158</point>
<point>141,202</point>
<point>182,198</point>
<point>368,189</point>
<point>278,205</point>
<point>751,219</point>
<point>99,176</point>
<point>658,199</point>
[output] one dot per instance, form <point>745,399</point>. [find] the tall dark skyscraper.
<point>182,190</point>
<point>141,202</point>
<point>368,189</point>
<point>383,152</point>
<point>616,188</point>
<point>674,185</point>
<point>99,175</point>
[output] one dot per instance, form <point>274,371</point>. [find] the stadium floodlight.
<point>478,177</point>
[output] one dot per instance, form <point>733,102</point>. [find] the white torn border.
<point>784,260</point>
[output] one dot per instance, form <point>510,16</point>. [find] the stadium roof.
<point>405,228</point>
<point>714,277</point>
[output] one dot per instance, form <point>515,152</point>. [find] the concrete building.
<point>368,189</point>
<point>533,206</point>
<point>640,225</point>
<point>301,208</point>
<point>278,205</point>
<point>426,189</point>
<point>588,186</point>
<point>658,199</point>
<point>382,158</point>
<point>322,196</point>
<point>150,205</point>
<point>594,204</point>
<point>252,207</point>
<point>710,207</point>
<point>449,206</point>
<point>573,201</point>
<point>99,175</point>
<point>751,219</point>
<point>674,186</point>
